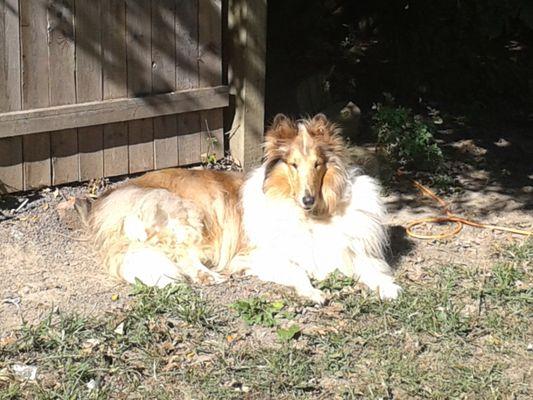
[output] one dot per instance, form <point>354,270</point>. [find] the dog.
<point>304,213</point>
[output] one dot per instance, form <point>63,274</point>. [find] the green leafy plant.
<point>335,282</point>
<point>406,139</point>
<point>287,334</point>
<point>258,311</point>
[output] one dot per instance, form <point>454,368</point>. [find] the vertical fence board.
<point>141,146</point>
<point>210,74</point>
<point>114,49</point>
<point>187,77</point>
<point>163,47</point>
<point>34,37</point>
<point>89,84</point>
<point>164,80</point>
<point>11,166</point>
<point>115,84</point>
<point>61,61</point>
<point>165,141</point>
<point>212,142</point>
<point>189,139</point>
<point>139,55</point>
<point>116,149</point>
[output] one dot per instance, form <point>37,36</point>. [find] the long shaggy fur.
<point>303,214</point>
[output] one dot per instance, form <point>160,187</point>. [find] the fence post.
<point>245,52</point>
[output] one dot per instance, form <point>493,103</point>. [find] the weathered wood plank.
<point>189,141</point>
<point>11,173</point>
<point>141,145</point>
<point>163,47</point>
<point>11,162</point>
<point>139,54</point>
<point>210,74</point>
<point>108,111</point>
<point>61,61</point>
<point>115,84</point>
<point>187,45</point>
<point>91,152</point>
<point>164,80</point>
<point>138,45</point>
<point>34,37</point>
<point>114,49</point>
<point>165,141</point>
<point>210,43</point>
<point>187,77</point>
<point>89,84</point>
<point>36,153</point>
<point>65,160</point>
<point>10,96</point>
<point>116,149</point>
<point>212,138</point>
<point>245,56</point>
<point>88,51</point>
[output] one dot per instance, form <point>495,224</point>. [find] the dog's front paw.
<point>209,278</point>
<point>315,295</point>
<point>389,291</point>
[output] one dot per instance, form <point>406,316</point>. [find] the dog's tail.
<point>83,207</point>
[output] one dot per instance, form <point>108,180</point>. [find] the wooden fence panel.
<point>11,161</point>
<point>107,87</point>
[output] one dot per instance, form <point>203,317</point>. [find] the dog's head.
<point>305,161</point>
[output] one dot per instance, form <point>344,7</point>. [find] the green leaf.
<point>288,333</point>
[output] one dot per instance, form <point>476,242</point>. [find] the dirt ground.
<point>46,264</point>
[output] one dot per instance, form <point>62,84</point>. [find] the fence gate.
<point>107,87</point>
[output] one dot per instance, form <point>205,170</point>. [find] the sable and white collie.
<point>303,214</point>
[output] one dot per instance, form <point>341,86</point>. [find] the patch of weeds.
<point>436,310</point>
<point>287,370</point>
<point>503,283</point>
<point>406,139</point>
<point>335,282</point>
<point>258,311</point>
<point>178,300</point>
<point>57,332</point>
<point>445,183</point>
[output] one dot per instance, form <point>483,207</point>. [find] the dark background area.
<point>469,57</point>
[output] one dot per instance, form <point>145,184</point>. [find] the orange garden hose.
<point>449,217</point>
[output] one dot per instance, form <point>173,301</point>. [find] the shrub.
<point>405,138</point>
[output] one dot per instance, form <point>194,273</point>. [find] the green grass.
<point>461,333</point>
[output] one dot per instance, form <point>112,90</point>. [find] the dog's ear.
<point>321,125</point>
<point>278,136</point>
<point>280,121</point>
<point>321,119</point>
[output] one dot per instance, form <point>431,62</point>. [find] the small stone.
<point>91,385</point>
<point>119,330</point>
<point>26,372</point>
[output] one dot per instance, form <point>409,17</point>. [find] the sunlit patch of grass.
<point>462,333</point>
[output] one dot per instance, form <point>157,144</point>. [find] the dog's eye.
<point>318,165</point>
<point>294,165</point>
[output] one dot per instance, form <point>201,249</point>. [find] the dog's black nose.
<point>308,201</point>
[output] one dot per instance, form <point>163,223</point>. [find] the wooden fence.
<point>109,87</point>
